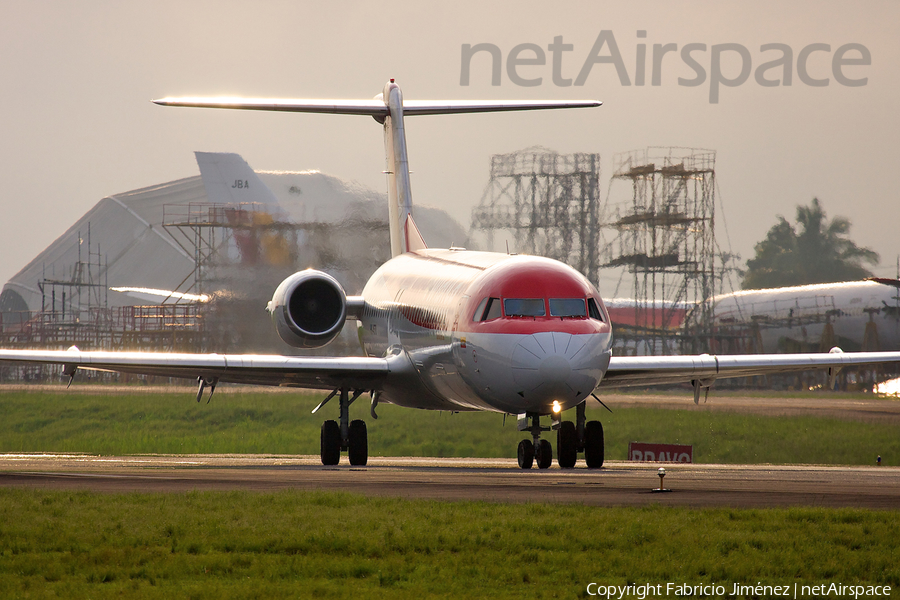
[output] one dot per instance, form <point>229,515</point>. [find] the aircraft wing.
<point>625,371</point>
<point>289,371</point>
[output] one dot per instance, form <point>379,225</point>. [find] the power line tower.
<point>548,202</point>
<point>665,237</point>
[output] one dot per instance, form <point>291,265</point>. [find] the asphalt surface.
<point>492,480</point>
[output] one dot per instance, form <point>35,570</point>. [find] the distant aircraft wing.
<point>288,371</point>
<point>625,371</point>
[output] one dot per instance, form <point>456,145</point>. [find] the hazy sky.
<point>78,77</point>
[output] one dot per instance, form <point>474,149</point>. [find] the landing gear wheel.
<point>593,444</point>
<point>330,447</point>
<point>526,454</point>
<point>566,445</point>
<point>543,454</point>
<point>359,444</point>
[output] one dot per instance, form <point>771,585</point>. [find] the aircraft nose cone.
<point>555,369</point>
<point>546,367</point>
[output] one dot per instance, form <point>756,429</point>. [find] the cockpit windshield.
<point>572,308</point>
<point>567,307</point>
<point>524,307</point>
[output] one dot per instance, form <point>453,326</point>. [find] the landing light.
<point>556,407</point>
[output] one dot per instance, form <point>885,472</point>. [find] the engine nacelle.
<point>309,309</point>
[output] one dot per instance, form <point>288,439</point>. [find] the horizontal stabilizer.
<point>375,107</point>
<point>338,107</point>
<point>437,107</point>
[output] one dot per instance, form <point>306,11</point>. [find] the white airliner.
<point>856,315</point>
<point>445,329</point>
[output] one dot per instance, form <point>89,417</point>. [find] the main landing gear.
<point>344,434</point>
<point>571,438</point>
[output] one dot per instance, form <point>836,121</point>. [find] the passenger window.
<point>524,307</point>
<point>594,310</point>
<point>567,307</point>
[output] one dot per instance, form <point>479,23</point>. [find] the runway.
<point>451,479</point>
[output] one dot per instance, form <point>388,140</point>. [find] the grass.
<point>278,423</point>
<point>332,545</point>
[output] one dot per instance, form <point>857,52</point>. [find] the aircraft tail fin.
<point>248,205</point>
<point>228,179</point>
<point>397,171</point>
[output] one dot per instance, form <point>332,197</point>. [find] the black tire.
<point>566,445</point>
<point>593,444</point>
<point>359,444</point>
<point>330,447</point>
<point>544,454</point>
<point>526,454</point>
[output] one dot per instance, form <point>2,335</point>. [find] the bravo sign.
<point>643,452</point>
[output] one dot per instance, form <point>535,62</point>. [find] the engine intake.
<point>309,309</point>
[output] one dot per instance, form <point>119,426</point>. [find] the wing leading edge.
<point>625,371</point>
<point>287,371</point>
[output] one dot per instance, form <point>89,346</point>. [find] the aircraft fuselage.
<point>487,331</point>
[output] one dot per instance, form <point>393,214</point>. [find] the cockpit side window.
<point>567,307</point>
<point>524,307</point>
<point>479,312</point>
<point>488,309</point>
<point>594,310</point>
<point>492,310</point>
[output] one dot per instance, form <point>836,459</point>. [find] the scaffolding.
<point>75,311</point>
<point>665,238</point>
<point>210,232</point>
<point>548,202</point>
<point>79,300</point>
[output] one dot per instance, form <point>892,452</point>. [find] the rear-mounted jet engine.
<point>309,309</point>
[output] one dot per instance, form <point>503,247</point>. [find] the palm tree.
<point>813,251</point>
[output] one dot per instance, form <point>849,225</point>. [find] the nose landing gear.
<point>536,448</point>
<point>571,438</point>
